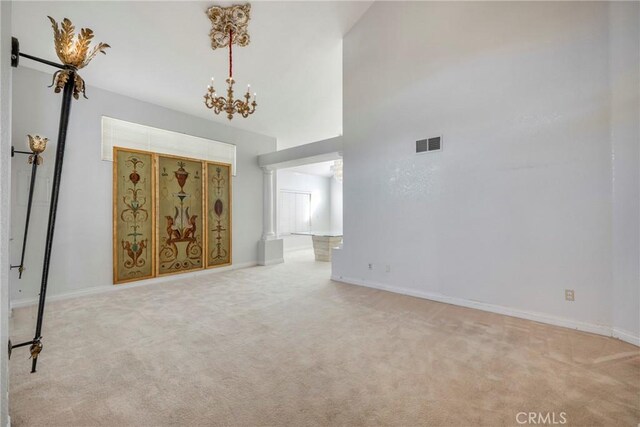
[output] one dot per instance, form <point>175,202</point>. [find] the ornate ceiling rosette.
<point>226,20</point>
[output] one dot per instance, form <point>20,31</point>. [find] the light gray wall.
<point>5,195</point>
<point>82,248</point>
<point>624,60</point>
<point>517,207</point>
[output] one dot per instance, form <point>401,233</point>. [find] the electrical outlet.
<point>370,266</point>
<point>569,295</point>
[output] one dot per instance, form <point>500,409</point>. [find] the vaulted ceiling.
<point>161,54</point>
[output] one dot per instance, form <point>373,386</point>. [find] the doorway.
<point>309,203</point>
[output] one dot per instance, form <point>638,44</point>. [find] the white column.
<point>268,209</point>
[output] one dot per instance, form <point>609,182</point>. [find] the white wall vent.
<point>429,144</point>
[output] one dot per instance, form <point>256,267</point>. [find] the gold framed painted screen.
<point>218,191</point>
<point>133,219</point>
<point>179,211</point>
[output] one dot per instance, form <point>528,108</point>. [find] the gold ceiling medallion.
<point>74,53</point>
<point>229,27</point>
<point>226,20</point>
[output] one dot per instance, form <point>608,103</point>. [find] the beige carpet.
<point>283,345</point>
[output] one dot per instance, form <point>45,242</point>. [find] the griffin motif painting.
<point>180,214</point>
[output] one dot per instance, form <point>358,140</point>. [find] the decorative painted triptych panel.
<point>133,227</point>
<point>218,214</point>
<point>180,214</point>
<point>170,214</point>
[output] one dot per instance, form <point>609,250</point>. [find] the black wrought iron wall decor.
<point>73,51</point>
<point>37,144</point>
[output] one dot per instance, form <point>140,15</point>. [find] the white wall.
<point>5,195</point>
<point>518,205</point>
<point>320,189</point>
<point>82,247</point>
<point>624,57</point>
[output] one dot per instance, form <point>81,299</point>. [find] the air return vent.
<point>429,144</point>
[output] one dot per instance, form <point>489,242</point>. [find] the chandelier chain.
<point>230,53</point>
<point>244,105</point>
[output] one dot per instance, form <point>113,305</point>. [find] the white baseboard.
<point>26,302</point>
<point>499,309</point>
<point>273,261</point>
<point>627,336</point>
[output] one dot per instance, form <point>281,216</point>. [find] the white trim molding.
<point>507,311</point>
<point>626,336</point>
<point>273,262</point>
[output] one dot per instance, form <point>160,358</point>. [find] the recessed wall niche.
<point>171,214</point>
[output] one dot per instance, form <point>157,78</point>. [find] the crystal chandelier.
<point>225,20</point>
<point>336,168</point>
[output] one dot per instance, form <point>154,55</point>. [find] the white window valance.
<point>119,133</point>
